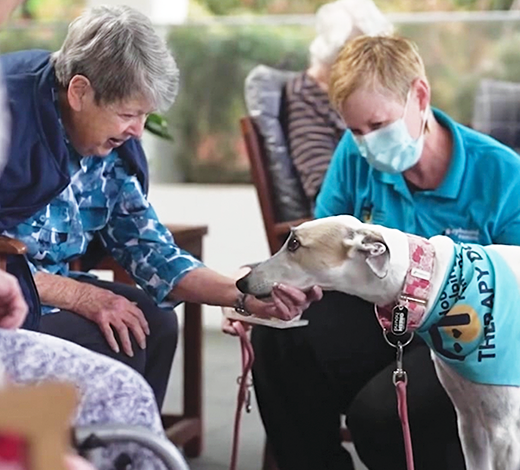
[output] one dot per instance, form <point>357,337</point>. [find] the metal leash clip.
<point>400,380</point>
<point>248,400</point>
<point>248,395</point>
<point>399,374</point>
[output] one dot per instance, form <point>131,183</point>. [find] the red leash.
<point>244,388</point>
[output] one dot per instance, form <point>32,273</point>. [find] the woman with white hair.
<point>314,128</point>
<point>77,174</point>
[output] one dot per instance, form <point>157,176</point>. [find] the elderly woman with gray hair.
<point>77,175</point>
<point>109,392</point>
<point>313,127</point>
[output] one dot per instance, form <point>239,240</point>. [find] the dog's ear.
<point>373,247</point>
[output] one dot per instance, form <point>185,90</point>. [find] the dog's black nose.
<point>242,284</point>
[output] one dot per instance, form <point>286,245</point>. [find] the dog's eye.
<point>293,244</point>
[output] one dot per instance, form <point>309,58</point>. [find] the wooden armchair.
<point>185,429</point>
<point>10,246</point>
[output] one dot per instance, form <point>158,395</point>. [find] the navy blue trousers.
<point>153,363</point>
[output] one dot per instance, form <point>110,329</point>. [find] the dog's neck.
<point>408,311</point>
<point>388,290</point>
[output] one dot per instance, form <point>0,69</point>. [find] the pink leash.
<point>400,380</point>
<point>405,314</point>
<point>244,388</point>
<point>402,408</point>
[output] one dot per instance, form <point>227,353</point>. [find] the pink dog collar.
<point>407,313</point>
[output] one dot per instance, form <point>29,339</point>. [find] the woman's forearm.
<point>202,285</point>
<point>58,291</point>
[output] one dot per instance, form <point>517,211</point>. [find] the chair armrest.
<point>11,246</point>
<point>282,228</point>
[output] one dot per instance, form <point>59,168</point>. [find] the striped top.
<point>314,129</point>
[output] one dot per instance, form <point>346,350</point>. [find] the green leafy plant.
<point>214,61</point>
<point>157,125</point>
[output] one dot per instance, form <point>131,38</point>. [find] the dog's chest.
<point>473,326</point>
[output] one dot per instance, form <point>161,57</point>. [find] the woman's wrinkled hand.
<point>113,313</point>
<point>286,302</point>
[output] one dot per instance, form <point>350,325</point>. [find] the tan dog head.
<point>336,253</point>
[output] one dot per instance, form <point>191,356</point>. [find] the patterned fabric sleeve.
<point>144,246</point>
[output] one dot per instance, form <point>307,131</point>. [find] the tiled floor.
<point>222,366</point>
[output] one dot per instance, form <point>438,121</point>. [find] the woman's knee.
<point>164,320</point>
<point>164,330</point>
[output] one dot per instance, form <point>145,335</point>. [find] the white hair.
<point>339,21</point>
<point>118,50</point>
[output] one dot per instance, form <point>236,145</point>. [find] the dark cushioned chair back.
<point>497,111</point>
<point>263,94</point>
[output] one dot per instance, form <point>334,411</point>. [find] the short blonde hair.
<point>388,64</point>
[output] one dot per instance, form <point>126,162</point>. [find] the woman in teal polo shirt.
<point>402,165</point>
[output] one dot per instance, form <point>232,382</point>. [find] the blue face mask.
<point>392,149</point>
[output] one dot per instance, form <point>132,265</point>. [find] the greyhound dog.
<point>461,299</point>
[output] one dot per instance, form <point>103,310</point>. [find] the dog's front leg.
<point>473,434</point>
<point>475,446</point>
<point>488,420</point>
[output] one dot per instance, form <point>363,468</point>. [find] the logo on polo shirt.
<point>462,235</point>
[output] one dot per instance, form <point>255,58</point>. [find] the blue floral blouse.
<point>104,198</point>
